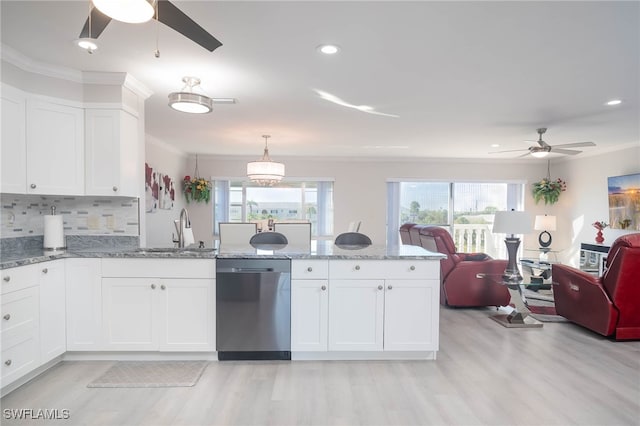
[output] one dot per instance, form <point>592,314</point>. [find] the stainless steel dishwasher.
<point>253,309</point>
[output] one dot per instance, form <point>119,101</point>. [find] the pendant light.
<point>264,171</point>
<point>188,101</point>
<point>129,11</point>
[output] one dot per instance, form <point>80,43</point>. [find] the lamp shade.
<point>511,222</point>
<point>545,223</point>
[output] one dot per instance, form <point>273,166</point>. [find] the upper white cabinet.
<point>14,143</point>
<point>55,148</point>
<point>112,161</point>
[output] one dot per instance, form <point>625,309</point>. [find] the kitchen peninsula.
<point>369,303</point>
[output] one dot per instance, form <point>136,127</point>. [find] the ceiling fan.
<point>543,149</point>
<point>165,12</point>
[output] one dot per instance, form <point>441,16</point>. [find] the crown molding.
<point>16,58</point>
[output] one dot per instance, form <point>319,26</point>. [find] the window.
<point>243,201</point>
<point>466,209</point>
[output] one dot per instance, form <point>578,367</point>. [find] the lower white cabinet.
<point>84,304</point>
<point>309,315</point>
<point>157,314</point>
<point>52,310</point>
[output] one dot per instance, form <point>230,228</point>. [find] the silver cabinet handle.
<point>7,317</point>
<point>324,287</point>
<point>153,286</point>
<point>7,278</point>
<point>45,270</point>
<point>163,287</point>
<point>413,268</point>
<point>357,267</point>
<point>390,287</point>
<point>8,362</point>
<point>115,189</point>
<point>33,186</point>
<point>309,269</point>
<point>380,287</point>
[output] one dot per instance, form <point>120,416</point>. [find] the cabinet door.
<point>111,160</point>
<point>84,304</point>
<point>187,315</point>
<point>356,315</point>
<point>309,315</point>
<point>129,313</point>
<point>52,310</point>
<point>411,315</point>
<point>14,143</point>
<point>55,149</point>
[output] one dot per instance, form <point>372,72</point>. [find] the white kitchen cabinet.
<point>356,315</point>
<point>130,313</point>
<point>52,310</point>
<point>84,304</point>
<point>159,304</point>
<point>19,332</point>
<point>411,315</point>
<point>111,153</point>
<point>55,148</point>
<point>309,305</point>
<point>14,143</point>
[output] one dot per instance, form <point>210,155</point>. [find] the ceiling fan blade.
<point>509,150</point>
<point>173,17</point>
<point>565,151</point>
<point>574,145</point>
<point>523,155</point>
<point>99,22</point>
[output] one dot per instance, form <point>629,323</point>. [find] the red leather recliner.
<point>459,285</point>
<point>405,238</point>
<point>608,305</point>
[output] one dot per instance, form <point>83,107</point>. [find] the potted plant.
<point>548,190</point>
<point>197,189</point>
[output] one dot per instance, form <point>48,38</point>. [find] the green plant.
<point>197,189</point>
<point>548,190</point>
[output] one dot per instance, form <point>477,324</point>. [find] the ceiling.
<point>460,76</point>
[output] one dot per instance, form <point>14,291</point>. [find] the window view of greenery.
<point>287,202</point>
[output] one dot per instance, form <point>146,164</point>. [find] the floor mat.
<point>150,374</point>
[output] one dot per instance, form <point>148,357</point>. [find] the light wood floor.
<point>485,374</point>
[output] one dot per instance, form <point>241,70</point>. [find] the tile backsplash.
<point>22,215</point>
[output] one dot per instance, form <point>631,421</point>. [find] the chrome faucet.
<point>181,225</point>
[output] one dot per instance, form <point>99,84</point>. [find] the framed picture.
<point>624,202</point>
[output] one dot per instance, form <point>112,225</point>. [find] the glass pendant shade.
<point>265,172</point>
<point>129,11</point>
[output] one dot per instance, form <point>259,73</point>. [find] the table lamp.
<point>544,223</point>
<point>512,222</point>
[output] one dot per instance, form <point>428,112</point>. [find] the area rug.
<point>150,374</point>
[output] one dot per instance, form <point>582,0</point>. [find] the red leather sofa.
<point>608,305</point>
<point>459,285</point>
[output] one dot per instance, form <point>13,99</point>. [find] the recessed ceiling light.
<point>328,49</point>
<point>495,145</point>
<point>614,102</point>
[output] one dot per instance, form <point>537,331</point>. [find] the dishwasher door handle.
<point>251,270</point>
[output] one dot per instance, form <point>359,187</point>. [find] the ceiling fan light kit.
<point>265,172</point>
<point>188,101</point>
<point>129,11</point>
<point>88,44</point>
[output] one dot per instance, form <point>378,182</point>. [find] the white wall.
<point>166,160</point>
<point>586,197</point>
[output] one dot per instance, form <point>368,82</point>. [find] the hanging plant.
<point>196,188</point>
<point>547,189</point>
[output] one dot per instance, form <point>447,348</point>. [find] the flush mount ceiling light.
<point>188,101</point>
<point>264,171</point>
<point>328,49</point>
<point>614,102</point>
<point>129,11</point>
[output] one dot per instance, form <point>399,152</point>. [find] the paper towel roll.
<point>53,233</point>
<point>188,236</point>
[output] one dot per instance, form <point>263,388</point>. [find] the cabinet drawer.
<point>18,360</point>
<point>21,277</point>
<point>384,269</point>
<point>309,269</point>
<point>159,268</point>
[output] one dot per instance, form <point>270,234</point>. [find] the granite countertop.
<point>319,250</point>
